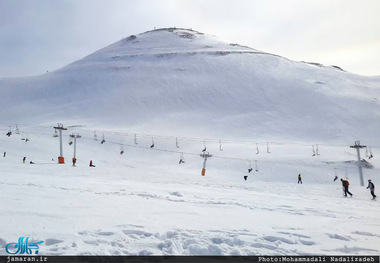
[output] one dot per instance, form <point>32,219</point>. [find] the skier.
<point>74,161</point>
<point>9,134</point>
<point>299,179</point>
<point>371,187</point>
<point>91,165</point>
<point>23,160</point>
<point>5,153</point>
<point>336,177</point>
<point>345,185</point>
<point>31,162</point>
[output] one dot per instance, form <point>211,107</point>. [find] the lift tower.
<point>75,136</point>
<point>205,156</point>
<point>357,146</point>
<point>60,128</point>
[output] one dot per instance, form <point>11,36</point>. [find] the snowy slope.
<point>176,80</point>
<point>144,203</point>
<point>170,83</point>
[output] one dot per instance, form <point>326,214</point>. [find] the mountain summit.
<point>180,81</point>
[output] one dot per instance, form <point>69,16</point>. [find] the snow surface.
<point>181,83</point>
<point>144,203</point>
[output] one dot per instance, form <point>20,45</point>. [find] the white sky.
<point>41,35</point>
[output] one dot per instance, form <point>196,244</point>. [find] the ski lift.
<point>17,130</point>
<point>95,136</point>
<point>257,148</point>
<point>268,147</point>
<point>336,176</point>
<point>257,168</point>
<point>135,138</point>
<point>315,150</point>
<point>205,148</point>
<point>176,142</point>
<point>9,133</point>
<point>121,149</point>
<point>220,145</point>
<point>250,167</point>
<point>22,137</point>
<point>55,133</point>
<point>103,140</point>
<point>70,140</point>
<point>152,145</point>
<point>181,158</point>
<point>370,153</point>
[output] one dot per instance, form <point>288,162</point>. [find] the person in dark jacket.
<point>371,187</point>
<point>299,179</point>
<point>345,185</point>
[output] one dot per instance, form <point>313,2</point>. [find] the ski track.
<point>134,240</point>
<point>129,239</point>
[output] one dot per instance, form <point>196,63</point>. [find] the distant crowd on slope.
<point>345,186</point>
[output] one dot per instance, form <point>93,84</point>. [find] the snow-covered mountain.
<point>182,82</point>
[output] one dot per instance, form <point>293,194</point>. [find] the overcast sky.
<point>44,35</point>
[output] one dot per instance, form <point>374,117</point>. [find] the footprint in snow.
<point>103,233</point>
<point>279,239</point>
<point>52,241</point>
<point>336,236</point>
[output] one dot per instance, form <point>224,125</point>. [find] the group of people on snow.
<point>345,185</point>
<point>74,160</point>
<point>370,186</point>
<point>24,159</point>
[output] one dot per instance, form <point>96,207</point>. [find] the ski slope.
<point>177,85</point>
<point>144,203</point>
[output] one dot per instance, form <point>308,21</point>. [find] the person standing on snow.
<point>345,185</point>
<point>371,187</point>
<point>299,179</point>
